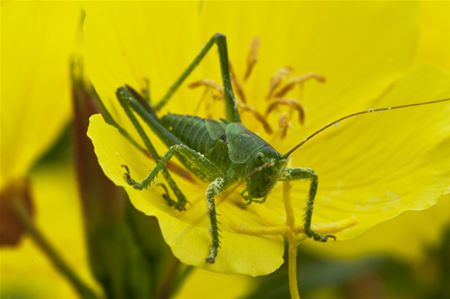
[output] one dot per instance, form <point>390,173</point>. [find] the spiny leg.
<point>231,110</point>
<point>216,187</point>
<point>290,174</point>
<point>181,199</point>
<point>196,162</point>
<point>160,166</point>
<point>202,164</point>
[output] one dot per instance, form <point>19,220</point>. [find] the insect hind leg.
<point>308,174</point>
<point>181,201</point>
<point>231,110</point>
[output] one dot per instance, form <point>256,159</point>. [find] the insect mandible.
<point>220,152</point>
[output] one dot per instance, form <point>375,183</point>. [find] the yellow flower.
<point>370,169</point>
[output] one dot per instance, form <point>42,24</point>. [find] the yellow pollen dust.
<point>278,101</point>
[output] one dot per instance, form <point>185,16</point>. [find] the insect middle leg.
<point>231,109</point>
<point>290,174</point>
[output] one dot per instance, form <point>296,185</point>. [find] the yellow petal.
<point>36,42</point>
<point>434,44</point>
<point>406,237</point>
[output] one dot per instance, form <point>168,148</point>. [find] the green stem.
<point>39,239</point>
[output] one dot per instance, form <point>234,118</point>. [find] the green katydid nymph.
<point>220,152</point>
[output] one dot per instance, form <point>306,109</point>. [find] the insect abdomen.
<point>189,129</point>
<point>195,133</point>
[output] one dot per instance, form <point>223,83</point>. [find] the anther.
<point>258,116</point>
<point>277,79</point>
<point>283,124</point>
<point>237,85</point>
<point>252,57</point>
<point>291,103</point>
<point>145,90</point>
<point>298,81</point>
<point>207,83</point>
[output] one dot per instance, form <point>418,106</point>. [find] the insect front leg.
<point>216,187</point>
<point>232,113</point>
<point>290,174</point>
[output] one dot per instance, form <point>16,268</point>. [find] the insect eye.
<point>260,157</point>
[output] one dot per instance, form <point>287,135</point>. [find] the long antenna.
<point>356,114</point>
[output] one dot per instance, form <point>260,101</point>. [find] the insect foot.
<point>127,176</point>
<point>318,237</point>
<point>179,206</point>
<point>210,260</point>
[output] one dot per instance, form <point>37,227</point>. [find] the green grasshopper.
<point>220,152</point>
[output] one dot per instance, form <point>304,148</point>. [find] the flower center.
<point>278,100</point>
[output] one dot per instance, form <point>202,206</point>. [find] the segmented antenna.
<point>356,114</point>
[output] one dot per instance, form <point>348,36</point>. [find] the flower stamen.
<point>252,57</point>
<point>291,239</point>
<point>207,83</point>
<point>300,80</point>
<point>258,116</point>
<point>211,84</point>
<point>283,125</point>
<point>281,83</point>
<point>237,85</point>
<point>291,103</point>
<point>276,80</point>
<point>277,93</point>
